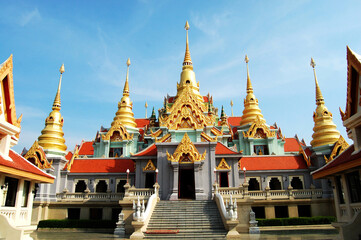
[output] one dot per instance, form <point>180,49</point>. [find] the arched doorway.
<point>186,186</point>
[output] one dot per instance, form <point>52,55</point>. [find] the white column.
<point>18,202</point>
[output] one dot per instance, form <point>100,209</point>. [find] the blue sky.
<point>94,39</point>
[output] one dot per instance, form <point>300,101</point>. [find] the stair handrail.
<point>228,210</point>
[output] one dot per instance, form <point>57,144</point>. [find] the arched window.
<point>275,184</point>
<point>101,187</point>
<point>253,184</point>
<point>296,183</point>
<point>80,186</point>
<point>120,186</point>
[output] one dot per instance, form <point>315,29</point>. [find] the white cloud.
<point>29,16</point>
<point>30,112</point>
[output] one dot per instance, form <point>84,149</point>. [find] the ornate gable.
<point>259,129</point>
<point>117,133</point>
<point>187,112</point>
<point>149,167</point>
<point>223,165</point>
<point>186,152</point>
<point>7,88</point>
<point>36,156</point>
<point>75,155</point>
<point>340,146</point>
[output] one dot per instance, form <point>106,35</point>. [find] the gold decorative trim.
<point>186,152</point>
<point>187,112</point>
<point>36,152</point>
<point>28,175</point>
<point>149,167</point>
<point>118,127</point>
<point>305,157</point>
<point>223,165</point>
<point>207,138</point>
<point>75,155</point>
<point>216,132</point>
<point>253,131</point>
<point>156,133</point>
<point>165,138</point>
<point>340,146</point>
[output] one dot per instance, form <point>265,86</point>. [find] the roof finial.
<point>249,84</point>
<point>126,85</point>
<point>57,102</point>
<point>146,106</point>
<point>187,57</point>
<point>319,97</point>
<point>232,108</point>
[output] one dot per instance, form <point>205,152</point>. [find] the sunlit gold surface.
<point>117,127</point>
<point>259,130</point>
<point>187,112</point>
<point>125,114</point>
<point>324,131</point>
<point>251,110</point>
<point>188,77</point>
<point>51,137</point>
<point>223,165</point>
<point>149,167</point>
<point>38,155</point>
<point>340,146</point>
<point>186,152</point>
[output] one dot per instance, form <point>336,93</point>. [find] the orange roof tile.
<point>254,163</point>
<point>86,148</point>
<point>68,156</point>
<point>205,99</point>
<point>291,145</point>
<point>90,165</point>
<point>234,121</point>
<point>20,163</point>
<point>142,122</point>
<point>149,151</point>
<point>223,150</point>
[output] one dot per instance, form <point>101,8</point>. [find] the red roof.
<point>205,99</point>
<point>346,160</point>
<point>254,163</point>
<point>149,151</point>
<point>20,163</point>
<point>223,150</point>
<point>90,165</point>
<point>234,121</point>
<point>68,156</point>
<point>171,99</point>
<point>291,145</point>
<point>86,148</point>
<point>142,122</point>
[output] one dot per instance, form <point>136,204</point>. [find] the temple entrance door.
<point>186,183</point>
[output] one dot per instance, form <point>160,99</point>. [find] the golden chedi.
<point>125,115</point>
<point>51,137</point>
<point>324,131</point>
<point>188,77</point>
<point>251,110</point>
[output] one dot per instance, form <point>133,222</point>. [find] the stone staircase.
<point>186,220</point>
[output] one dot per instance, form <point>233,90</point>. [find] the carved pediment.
<point>186,152</point>
<point>149,167</point>
<point>187,112</point>
<point>36,156</point>
<point>259,129</point>
<point>340,146</point>
<point>117,133</point>
<point>223,165</point>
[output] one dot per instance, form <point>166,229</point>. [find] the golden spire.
<point>251,110</point>
<point>146,106</point>
<point>125,115</point>
<point>232,108</point>
<point>324,131</point>
<point>188,77</point>
<point>52,136</point>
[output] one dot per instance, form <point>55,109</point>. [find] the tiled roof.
<point>254,163</point>
<point>90,165</point>
<point>86,148</point>
<point>142,122</point>
<point>291,145</point>
<point>205,99</point>
<point>223,150</point>
<point>346,160</point>
<point>234,121</point>
<point>20,163</point>
<point>69,155</point>
<point>149,151</point>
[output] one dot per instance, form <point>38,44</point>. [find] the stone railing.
<point>268,194</point>
<point>9,213</point>
<point>89,196</point>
